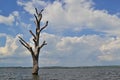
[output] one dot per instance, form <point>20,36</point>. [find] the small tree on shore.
<point>37,47</point>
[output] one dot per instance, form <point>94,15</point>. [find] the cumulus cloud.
<point>30,5</point>
<point>63,51</point>
<point>80,51</point>
<point>110,50</point>
<point>75,15</point>
<point>9,20</point>
<point>12,53</point>
<point>80,15</point>
<point>73,51</point>
<point>10,45</point>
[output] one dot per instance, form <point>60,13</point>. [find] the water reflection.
<point>36,77</point>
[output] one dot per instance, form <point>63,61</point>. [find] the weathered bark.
<point>37,47</point>
<point>35,66</point>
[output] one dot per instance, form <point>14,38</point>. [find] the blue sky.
<point>80,32</point>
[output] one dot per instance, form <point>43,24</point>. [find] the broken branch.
<point>36,11</point>
<point>44,43</point>
<point>44,26</point>
<point>41,10</point>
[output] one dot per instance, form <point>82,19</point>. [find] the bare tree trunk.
<point>35,67</point>
<point>37,47</point>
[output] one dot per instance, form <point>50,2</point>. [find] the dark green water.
<point>85,73</point>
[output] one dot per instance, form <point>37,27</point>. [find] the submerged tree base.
<point>34,73</point>
<point>35,68</point>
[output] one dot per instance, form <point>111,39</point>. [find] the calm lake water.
<point>86,73</point>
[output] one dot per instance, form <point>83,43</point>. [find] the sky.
<point>79,33</point>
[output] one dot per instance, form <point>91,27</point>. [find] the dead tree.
<point>37,47</point>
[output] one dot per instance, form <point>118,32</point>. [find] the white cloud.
<point>75,15</point>
<point>46,62</point>
<point>81,14</point>
<point>9,20</point>
<point>13,53</point>
<point>30,5</point>
<point>80,51</point>
<point>64,51</point>
<point>110,50</point>
<point>10,45</point>
<point>16,13</point>
<point>72,51</point>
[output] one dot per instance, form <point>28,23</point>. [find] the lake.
<point>82,73</point>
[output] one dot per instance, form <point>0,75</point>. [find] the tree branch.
<point>36,21</point>
<point>24,44</point>
<point>36,17</point>
<point>44,43</point>
<point>41,11</point>
<point>32,34</point>
<point>44,26</point>
<point>31,50</point>
<point>39,17</point>
<point>36,11</point>
<point>24,41</point>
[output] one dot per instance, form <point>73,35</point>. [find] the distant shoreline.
<point>61,67</point>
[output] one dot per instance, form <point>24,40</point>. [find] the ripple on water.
<point>61,74</point>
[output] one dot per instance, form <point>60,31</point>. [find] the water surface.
<point>84,73</point>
